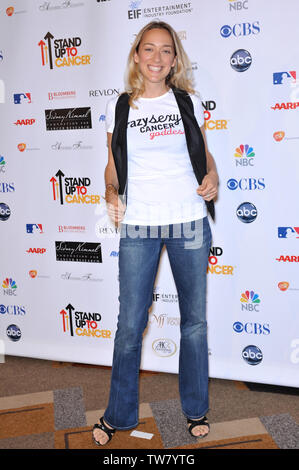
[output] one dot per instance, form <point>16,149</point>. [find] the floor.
<point>53,405</point>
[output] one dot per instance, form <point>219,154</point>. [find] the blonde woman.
<point>160,184</point>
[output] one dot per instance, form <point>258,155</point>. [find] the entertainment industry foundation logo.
<point>68,119</point>
<point>78,323</point>
<point>176,8</point>
<point>75,189</point>
<point>64,50</point>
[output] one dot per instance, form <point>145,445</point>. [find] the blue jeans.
<point>138,264</point>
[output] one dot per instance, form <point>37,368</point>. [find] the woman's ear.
<point>136,58</point>
<point>174,62</point>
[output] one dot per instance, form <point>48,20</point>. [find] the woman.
<point>160,182</point>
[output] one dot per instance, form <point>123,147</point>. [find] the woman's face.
<point>155,55</point>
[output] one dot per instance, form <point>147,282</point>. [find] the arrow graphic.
<point>42,44</point>
<point>49,36</point>
<point>70,308</point>
<point>60,176</point>
<point>63,313</point>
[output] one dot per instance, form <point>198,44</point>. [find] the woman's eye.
<point>167,51</point>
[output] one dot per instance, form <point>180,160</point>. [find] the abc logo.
<point>252,355</point>
<point>247,212</point>
<point>13,332</point>
<point>241,60</point>
<point>4,211</point>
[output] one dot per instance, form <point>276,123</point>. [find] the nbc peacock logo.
<point>9,286</point>
<point>2,164</point>
<point>244,155</point>
<point>250,301</point>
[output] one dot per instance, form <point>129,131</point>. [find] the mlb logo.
<point>32,228</point>
<point>279,78</point>
<point>288,232</point>
<point>20,98</point>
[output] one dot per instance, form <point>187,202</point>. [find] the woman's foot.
<point>102,432</point>
<point>201,429</point>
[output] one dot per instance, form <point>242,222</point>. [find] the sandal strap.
<point>201,422</point>
<point>104,428</point>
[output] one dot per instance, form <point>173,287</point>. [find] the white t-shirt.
<point>161,185</point>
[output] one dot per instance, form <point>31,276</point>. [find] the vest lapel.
<point>119,140</point>
<point>194,139</point>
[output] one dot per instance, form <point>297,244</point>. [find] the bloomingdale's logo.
<point>82,323</point>
<point>75,189</point>
<point>65,51</point>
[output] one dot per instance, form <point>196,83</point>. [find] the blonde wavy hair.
<point>180,75</point>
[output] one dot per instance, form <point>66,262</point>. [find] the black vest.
<point>194,139</point>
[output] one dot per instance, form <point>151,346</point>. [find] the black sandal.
<point>104,428</point>
<point>201,422</point>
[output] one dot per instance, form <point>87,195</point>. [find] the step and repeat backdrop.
<point>60,62</point>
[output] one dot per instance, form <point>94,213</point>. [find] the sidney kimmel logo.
<point>68,118</point>
<point>62,52</point>
<point>84,252</point>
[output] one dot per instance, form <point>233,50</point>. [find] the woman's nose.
<point>157,56</point>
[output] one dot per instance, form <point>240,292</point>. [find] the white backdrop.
<point>60,61</point>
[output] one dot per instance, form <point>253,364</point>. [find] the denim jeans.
<point>138,264</point>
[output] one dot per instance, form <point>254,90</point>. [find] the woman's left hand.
<point>209,186</point>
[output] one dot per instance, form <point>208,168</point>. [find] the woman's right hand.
<point>115,207</point>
